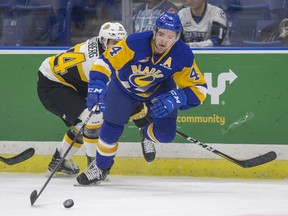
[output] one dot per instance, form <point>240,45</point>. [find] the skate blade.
<point>93,184</point>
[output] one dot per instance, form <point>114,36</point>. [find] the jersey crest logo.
<point>187,24</point>
<point>143,77</point>
<point>141,80</point>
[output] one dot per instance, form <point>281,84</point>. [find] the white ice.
<point>147,196</point>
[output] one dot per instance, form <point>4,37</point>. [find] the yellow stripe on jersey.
<point>101,69</point>
<point>51,64</point>
<point>124,54</point>
<point>79,66</point>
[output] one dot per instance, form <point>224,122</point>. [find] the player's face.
<point>195,4</point>
<point>111,43</point>
<point>164,39</point>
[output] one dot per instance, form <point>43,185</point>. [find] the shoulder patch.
<point>222,14</point>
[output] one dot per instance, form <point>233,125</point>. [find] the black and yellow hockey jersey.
<point>72,67</point>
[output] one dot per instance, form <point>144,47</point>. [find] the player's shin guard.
<point>90,147</point>
<point>66,142</point>
<point>91,134</point>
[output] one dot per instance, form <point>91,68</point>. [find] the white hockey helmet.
<point>112,31</point>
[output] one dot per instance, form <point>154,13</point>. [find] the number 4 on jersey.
<point>114,50</point>
<point>193,74</point>
<point>68,60</point>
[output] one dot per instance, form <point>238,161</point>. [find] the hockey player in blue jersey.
<point>153,67</point>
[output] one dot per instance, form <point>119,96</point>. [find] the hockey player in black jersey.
<point>62,89</point>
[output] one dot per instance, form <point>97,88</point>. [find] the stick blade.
<point>33,197</point>
<point>261,159</point>
<point>25,155</point>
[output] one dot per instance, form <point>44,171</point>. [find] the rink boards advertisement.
<point>246,103</point>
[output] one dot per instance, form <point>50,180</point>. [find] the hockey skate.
<point>68,167</point>
<point>92,175</point>
<point>148,148</point>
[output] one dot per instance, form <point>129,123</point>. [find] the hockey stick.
<point>34,195</point>
<point>256,161</point>
<point>25,155</point>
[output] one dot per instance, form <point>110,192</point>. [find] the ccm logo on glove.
<point>167,102</point>
<point>94,90</point>
<point>177,99</point>
<point>95,95</point>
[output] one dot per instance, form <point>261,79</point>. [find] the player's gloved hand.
<point>166,103</point>
<point>95,95</point>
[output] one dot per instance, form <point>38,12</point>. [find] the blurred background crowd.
<point>206,23</point>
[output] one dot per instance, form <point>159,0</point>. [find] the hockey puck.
<point>68,203</point>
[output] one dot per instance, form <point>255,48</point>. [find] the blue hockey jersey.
<point>140,73</point>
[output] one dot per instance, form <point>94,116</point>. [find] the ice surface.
<point>144,196</point>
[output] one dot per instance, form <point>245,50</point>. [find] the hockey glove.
<point>95,95</point>
<point>166,103</point>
